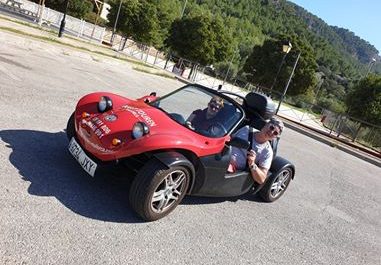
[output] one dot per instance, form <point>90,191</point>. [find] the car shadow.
<point>43,160</point>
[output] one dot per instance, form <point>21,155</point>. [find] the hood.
<point>118,123</point>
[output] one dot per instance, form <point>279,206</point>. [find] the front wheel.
<point>157,189</point>
<point>277,185</point>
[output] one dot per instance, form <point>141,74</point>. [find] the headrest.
<point>260,104</point>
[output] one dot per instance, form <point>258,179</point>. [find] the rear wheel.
<point>277,185</point>
<point>157,189</point>
<point>70,127</point>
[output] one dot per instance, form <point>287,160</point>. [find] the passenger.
<point>201,120</point>
<point>260,154</point>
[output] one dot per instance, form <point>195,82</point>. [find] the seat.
<point>259,109</point>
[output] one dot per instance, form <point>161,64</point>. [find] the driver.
<point>201,120</point>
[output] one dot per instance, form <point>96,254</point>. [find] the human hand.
<point>189,125</point>
<point>251,156</point>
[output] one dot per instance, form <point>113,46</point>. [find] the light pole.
<point>286,48</point>
<point>288,83</point>
<point>116,22</point>
<point>63,22</point>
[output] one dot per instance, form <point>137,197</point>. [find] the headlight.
<point>104,104</point>
<point>139,129</point>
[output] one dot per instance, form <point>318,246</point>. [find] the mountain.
<point>343,40</point>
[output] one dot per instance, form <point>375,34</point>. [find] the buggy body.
<point>150,141</point>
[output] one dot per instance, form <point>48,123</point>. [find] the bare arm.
<point>259,174</point>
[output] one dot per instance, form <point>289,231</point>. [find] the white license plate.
<point>86,163</point>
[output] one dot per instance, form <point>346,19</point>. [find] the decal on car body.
<point>98,127</point>
<point>140,113</point>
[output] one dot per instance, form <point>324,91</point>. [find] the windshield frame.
<point>222,94</point>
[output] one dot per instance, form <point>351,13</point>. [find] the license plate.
<point>86,163</point>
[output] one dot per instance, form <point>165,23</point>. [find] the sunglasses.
<point>214,105</point>
<point>273,131</point>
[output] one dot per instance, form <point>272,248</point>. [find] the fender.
<point>172,158</point>
<point>279,163</point>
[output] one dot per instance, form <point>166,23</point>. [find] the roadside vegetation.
<point>243,40</point>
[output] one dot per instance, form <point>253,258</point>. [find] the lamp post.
<point>63,22</point>
<point>288,83</point>
<point>286,48</point>
<point>116,22</point>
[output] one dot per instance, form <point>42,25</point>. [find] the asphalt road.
<point>51,212</point>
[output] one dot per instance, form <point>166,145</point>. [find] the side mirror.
<point>239,143</point>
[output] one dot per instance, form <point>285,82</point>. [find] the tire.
<point>157,190</point>
<point>70,127</point>
<point>277,185</point>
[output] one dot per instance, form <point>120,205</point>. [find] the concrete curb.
<point>333,142</point>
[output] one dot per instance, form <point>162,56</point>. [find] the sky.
<point>362,17</point>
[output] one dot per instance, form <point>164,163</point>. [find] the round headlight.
<point>104,104</point>
<point>139,129</point>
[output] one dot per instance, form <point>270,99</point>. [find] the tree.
<point>76,8</point>
<point>202,38</point>
<point>137,20</point>
<point>264,62</point>
<point>146,21</point>
<point>364,101</point>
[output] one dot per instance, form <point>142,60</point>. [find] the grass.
<point>153,71</point>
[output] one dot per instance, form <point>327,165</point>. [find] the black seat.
<point>259,109</point>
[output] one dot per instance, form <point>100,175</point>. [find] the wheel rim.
<point>169,191</point>
<point>280,183</point>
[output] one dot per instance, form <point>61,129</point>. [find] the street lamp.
<point>286,48</point>
<point>63,22</point>
<point>288,83</point>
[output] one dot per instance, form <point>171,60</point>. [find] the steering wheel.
<point>217,129</point>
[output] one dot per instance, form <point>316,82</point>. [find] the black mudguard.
<point>172,159</point>
<point>280,163</point>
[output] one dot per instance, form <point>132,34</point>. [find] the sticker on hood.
<point>140,113</point>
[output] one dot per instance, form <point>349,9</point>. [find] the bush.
<point>332,105</point>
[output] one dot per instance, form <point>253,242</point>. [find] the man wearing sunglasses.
<point>260,154</point>
<point>201,120</point>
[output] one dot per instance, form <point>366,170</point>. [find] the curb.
<point>367,156</point>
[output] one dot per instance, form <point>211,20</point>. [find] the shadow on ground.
<point>42,159</point>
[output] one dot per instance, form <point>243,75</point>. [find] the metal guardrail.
<point>75,26</point>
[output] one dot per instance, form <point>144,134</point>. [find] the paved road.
<point>51,212</point>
